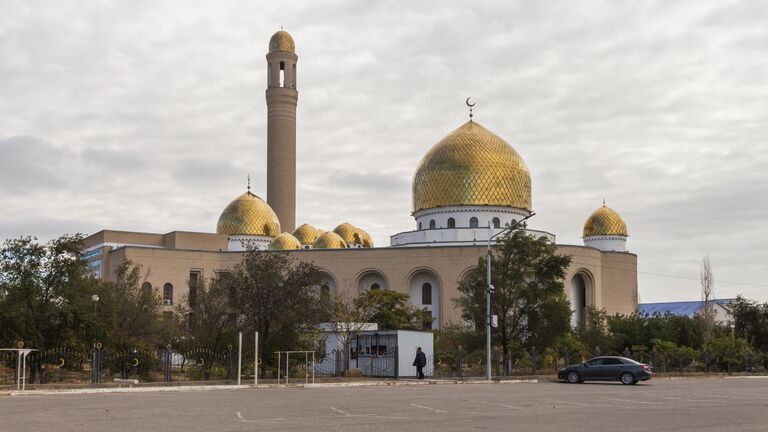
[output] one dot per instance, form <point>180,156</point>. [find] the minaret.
<point>281,128</point>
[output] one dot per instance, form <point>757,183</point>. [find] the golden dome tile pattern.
<point>605,221</point>
<point>307,234</point>
<point>285,241</point>
<point>248,215</point>
<point>472,166</point>
<point>365,237</point>
<point>329,240</point>
<point>348,233</point>
<point>282,41</point>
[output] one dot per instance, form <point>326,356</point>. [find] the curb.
<point>255,387</point>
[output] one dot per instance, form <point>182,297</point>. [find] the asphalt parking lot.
<point>679,405</point>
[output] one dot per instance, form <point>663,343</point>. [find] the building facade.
<point>470,186</point>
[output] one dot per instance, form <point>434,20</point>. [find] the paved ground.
<point>679,405</point>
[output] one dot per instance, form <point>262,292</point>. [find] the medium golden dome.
<point>348,233</point>
<point>329,240</point>
<point>605,221</point>
<point>367,241</point>
<point>282,41</point>
<point>248,215</point>
<point>307,234</point>
<point>285,241</point>
<point>472,166</point>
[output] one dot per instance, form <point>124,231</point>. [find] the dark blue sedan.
<point>606,368</point>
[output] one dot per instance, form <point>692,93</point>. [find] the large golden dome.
<point>248,215</point>
<point>605,221</point>
<point>307,234</point>
<point>282,41</point>
<point>329,240</point>
<point>285,241</point>
<point>472,166</point>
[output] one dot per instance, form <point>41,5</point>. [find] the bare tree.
<point>708,297</point>
<point>348,320</point>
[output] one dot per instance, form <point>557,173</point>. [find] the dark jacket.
<point>421,359</point>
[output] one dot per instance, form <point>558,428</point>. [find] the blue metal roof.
<point>687,308</point>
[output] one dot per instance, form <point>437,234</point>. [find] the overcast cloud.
<point>148,115</point>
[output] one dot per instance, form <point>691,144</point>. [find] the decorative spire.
<point>249,183</point>
<point>470,105</point>
<point>603,202</point>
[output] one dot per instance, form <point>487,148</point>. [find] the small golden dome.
<point>285,241</point>
<point>329,240</point>
<point>347,232</point>
<point>472,166</point>
<point>367,241</point>
<point>307,234</point>
<point>282,41</point>
<point>248,215</point>
<point>605,221</point>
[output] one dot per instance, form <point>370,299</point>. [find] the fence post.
<point>459,368</point>
<point>96,363</point>
<point>728,361</point>
<point>495,355</point>
<point>706,362</point>
<point>567,357</point>
<point>230,361</point>
<point>680,362</point>
<point>655,360</point>
<point>627,354</point>
<point>397,362</point>
<point>534,357</point>
<point>166,352</point>
<point>749,363</point>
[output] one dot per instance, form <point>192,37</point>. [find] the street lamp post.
<point>489,291</point>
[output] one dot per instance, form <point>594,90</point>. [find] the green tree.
<point>391,311</point>
<point>750,321</point>
<point>47,292</point>
<point>136,319</point>
<point>529,297</point>
<point>280,298</point>
<point>207,319</point>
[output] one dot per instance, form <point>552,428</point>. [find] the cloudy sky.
<point>148,115</point>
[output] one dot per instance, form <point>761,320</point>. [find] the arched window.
<point>451,223</point>
<point>146,289</point>
<point>375,286</point>
<point>325,290</point>
<point>431,224</point>
<point>167,294</point>
<point>496,223</point>
<point>473,222</point>
<point>426,294</point>
<point>282,74</point>
<point>419,226</point>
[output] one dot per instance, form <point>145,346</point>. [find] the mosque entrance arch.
<point>425,288</point>
<point>580,290</point>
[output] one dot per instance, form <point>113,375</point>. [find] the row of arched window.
<point>473,223</point>
<point>146,288</point>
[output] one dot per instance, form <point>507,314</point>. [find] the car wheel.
<point>573,377</point>
<point>627,378</point>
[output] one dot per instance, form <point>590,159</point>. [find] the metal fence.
<point>101,364</point>
<point>466,364</point>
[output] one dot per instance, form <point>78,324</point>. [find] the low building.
<point>688,308</point>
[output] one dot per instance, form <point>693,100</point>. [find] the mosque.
<point>470,185</point>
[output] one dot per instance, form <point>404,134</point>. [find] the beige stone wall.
<point>619,282</point>
<point>612,279</point>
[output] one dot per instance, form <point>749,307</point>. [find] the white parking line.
<point>576,403</point>
<point>502,405</point>
<point>242,420</point>
<point>428,408</point>
<point>635,401</point>
<point>346,414</point>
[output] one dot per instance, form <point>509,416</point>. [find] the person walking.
<point>420,362</point>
